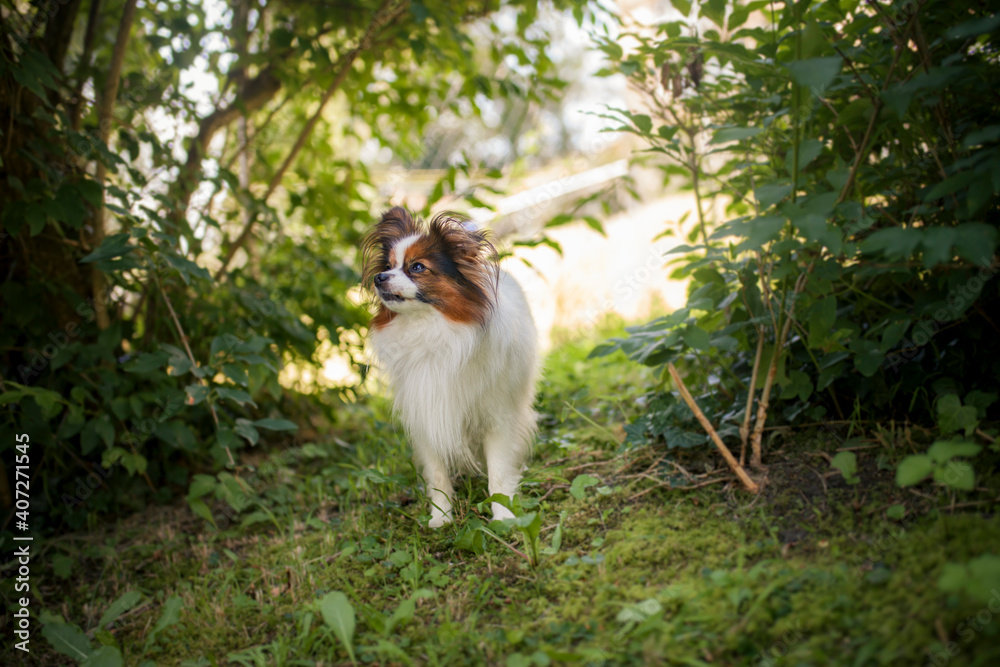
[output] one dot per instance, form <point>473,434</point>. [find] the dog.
<point>454,336</point>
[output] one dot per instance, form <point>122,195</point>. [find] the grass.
<point>629,570</point>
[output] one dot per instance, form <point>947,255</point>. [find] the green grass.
<point>629,570</point>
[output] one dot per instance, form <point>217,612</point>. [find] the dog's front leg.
<point>503,469</point>
<point>439,490</point>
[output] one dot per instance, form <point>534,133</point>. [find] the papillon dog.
<point>454,336</point>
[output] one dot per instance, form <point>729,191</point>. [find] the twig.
<point>187,348</point>
<point>772,371</point>
<point>745,426</point>
<point>876,108</point>
<point>707,425</point>
<point>678,488</point>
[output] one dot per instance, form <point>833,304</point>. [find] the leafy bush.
<point>858,163</point>
<point>153,291</point>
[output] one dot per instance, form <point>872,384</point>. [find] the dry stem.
<point>707,425</point>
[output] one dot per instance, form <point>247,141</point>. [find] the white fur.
<point>464,392</point>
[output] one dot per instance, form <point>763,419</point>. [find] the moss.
<point>809,573</point>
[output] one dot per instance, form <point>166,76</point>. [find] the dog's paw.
<point>438,520</point>
<point>500,512</point>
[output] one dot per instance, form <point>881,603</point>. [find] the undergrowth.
<point>622,554</point>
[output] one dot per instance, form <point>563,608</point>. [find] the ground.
<point>622,556</point>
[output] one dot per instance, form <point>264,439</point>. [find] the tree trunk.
<point>105,122</point>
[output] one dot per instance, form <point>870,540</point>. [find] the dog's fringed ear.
<point>472,251</point>
<point>395,224</point>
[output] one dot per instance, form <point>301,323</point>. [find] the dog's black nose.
<point>381,278</point>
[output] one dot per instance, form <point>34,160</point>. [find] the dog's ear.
<point>464,241</point>
<point>395,224</point>
<point>472,251</point>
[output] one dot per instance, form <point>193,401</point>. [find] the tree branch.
<point>387,13</point>
<point>81,74</point>
<point>104,123</point>
<point>707,425</point>
<point>256,93</point>
<point>59,31</point>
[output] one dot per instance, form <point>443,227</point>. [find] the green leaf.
<point>815,74</point>
<point>714,11</point>
<point>943,451</point>
<point>201,509</point>
<point>147,362</point>
<point>809,150</point>
<point>68,640</point>
<point>471,538</point>
<point>245,428</point>
<point>62,565</point>
<point>892,334</point>
<point>170,615</point>
<point>643,122</point>
<point>696,338</point>
<point>594,224</point>
<point>896,512</point>
<point>186,267</point>
<point>976,242</point>
<point>914,469</point>
<point>105,656</point>
<point>981,400</point>
<point>560,219</point>
<point>868,357</point>
<point>981,135</point>
<point>125,602</point>
<point>115,245</point>
<point>936,245</point>
<point>847,464</point>
<point>894,242</point>
<point>580,483</point>
<point>90,190</point>
<point>201,485</point>
<point>974,27</point>
<point>822,317</point>
<point>728,134</point>
<point>196,393</point>
<point>978,578</point>
<point>957,475</point>
<point>238,396</point>
<point>769,194</point>
<point>953,416</point>
<point>276,424</point>
<point>338,613</point>
<point>683,6</point>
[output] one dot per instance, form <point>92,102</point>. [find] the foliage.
<point>624,577</point>
<point>858,165</point>
<point>69,640</point>
<point>156,287</point>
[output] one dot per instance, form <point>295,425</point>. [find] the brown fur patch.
<point>461,274</point>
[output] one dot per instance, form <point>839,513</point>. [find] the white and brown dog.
<point>454,336</point>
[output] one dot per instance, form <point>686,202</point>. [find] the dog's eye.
<point>416,267</point>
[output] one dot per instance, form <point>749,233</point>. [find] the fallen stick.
<point>703,420</point>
